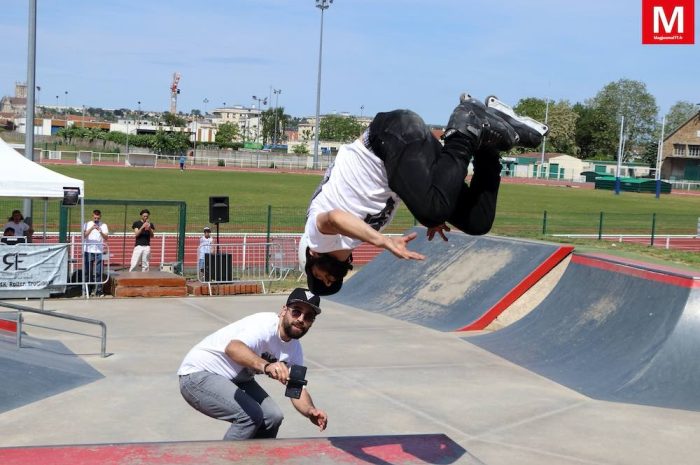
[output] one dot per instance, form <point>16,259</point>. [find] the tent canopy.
<point>21,177</point>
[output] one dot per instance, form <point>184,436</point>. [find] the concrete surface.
<point>374,375</point>
<point>463,284</point>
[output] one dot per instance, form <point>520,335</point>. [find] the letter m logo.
<point>668,22</point>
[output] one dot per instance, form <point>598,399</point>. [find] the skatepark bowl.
<point>602,370</point>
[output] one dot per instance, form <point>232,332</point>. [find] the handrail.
<point>22,308</point>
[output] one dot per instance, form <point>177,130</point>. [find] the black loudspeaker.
<point>217,267</point>
<point>218,210</point>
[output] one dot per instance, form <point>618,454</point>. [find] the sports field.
<point>521,207</point>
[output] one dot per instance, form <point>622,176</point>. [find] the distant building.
<point>680,152</point>
<point>247,120</point>
<point>16,105</point>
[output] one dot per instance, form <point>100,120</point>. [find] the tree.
<point>273,123</point>
<point>561,119</point>
<point>595,133</point>
<point>301,149</point>
<point>678,114</point>
<point>630,99</point>
<point>226,134</point>
<point>340,128</point>
<point>174,120</point>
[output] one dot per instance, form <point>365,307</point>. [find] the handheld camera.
<point>296,382</point>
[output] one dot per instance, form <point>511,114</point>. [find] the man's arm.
<point>305,406</point>
<point>342,222</point>
<point>242,354</point>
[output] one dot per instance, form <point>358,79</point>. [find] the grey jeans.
<point>246,405</point>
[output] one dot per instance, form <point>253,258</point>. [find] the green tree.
<point>340,128</point>
<point>301,149</point>
<point>561,119</point>
<point>273,123</point>
<point>227,134</point>
<point>595,132</point>
<point>174,120</point>
<point>678,114</point>
<point>630,99</point>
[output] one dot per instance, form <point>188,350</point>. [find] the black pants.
<point>429,178</point>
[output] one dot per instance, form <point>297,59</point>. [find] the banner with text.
<point>33,266</point>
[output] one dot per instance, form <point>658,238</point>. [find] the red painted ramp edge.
<point>514,294</point>
<point>398,450</point>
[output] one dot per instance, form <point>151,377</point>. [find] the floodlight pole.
<point>321,5</point>
<point>29,115</point>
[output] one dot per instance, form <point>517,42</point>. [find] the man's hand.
<point>397,246</point>
<point>278,371</point>
<point>438,229</point>
<point>318,418</point>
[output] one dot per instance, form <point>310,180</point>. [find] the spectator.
<point>143,231</point>
<point>9,232</point>
<point>95,233</point>
<point>182,162</point>
<point>16,222</point>
<point>204,247</point>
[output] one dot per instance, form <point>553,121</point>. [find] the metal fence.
<point>252,260</point>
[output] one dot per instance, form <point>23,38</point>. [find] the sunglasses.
<point>308,316</point>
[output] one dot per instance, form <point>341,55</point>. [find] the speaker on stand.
<point>218,213</point>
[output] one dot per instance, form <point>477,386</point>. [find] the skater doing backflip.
<point>398,159</point>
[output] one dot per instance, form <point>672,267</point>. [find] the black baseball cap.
<point>305,296</point>
<point>316,285</point>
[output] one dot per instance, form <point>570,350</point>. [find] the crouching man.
<point>217,377</point>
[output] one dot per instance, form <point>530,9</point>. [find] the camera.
<point>296,382</point>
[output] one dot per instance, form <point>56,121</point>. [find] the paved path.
<point>374,375</point>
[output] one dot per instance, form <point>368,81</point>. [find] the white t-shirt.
<point>356,183</point>
<point>258,331</point>
<point>20,228</point>
<point>204,247</point>
<point>94,241</point>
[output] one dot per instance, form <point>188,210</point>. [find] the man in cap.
<point>217,375</point>
<point>399,159</point>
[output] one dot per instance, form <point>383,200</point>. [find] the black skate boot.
<point>472,118</point>
<point>530,132</point>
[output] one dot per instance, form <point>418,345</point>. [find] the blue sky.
<point>380,54</point>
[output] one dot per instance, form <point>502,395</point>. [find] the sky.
<point>378,55</point>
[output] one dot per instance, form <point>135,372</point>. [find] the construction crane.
<point>174,91</point>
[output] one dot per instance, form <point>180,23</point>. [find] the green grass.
<point>520,206</point>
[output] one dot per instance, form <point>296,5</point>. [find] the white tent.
<point>21,177</point>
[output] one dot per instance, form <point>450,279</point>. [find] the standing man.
<point>95,233</point>
<point>182,162</point>
<point>143,231</point>
<point>398,159</point>
<point>217,375</point>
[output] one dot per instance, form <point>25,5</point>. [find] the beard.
<point>294,330</point>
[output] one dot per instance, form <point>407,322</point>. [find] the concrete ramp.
<point>41,368</point>
<point>463,284</point>
<point>378,450</point>
<point>613,330</point>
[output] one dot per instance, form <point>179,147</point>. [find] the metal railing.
<point>251,261</point>
<point>20,323</point>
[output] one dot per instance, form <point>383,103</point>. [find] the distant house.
<point>680,152</point>
<point>556,166</point>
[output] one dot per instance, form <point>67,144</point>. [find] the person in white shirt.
<point>217,375</point>
<point>398,159</point>
<point>204,247</point>
<point>16,222</point>
<point>95,233</point>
